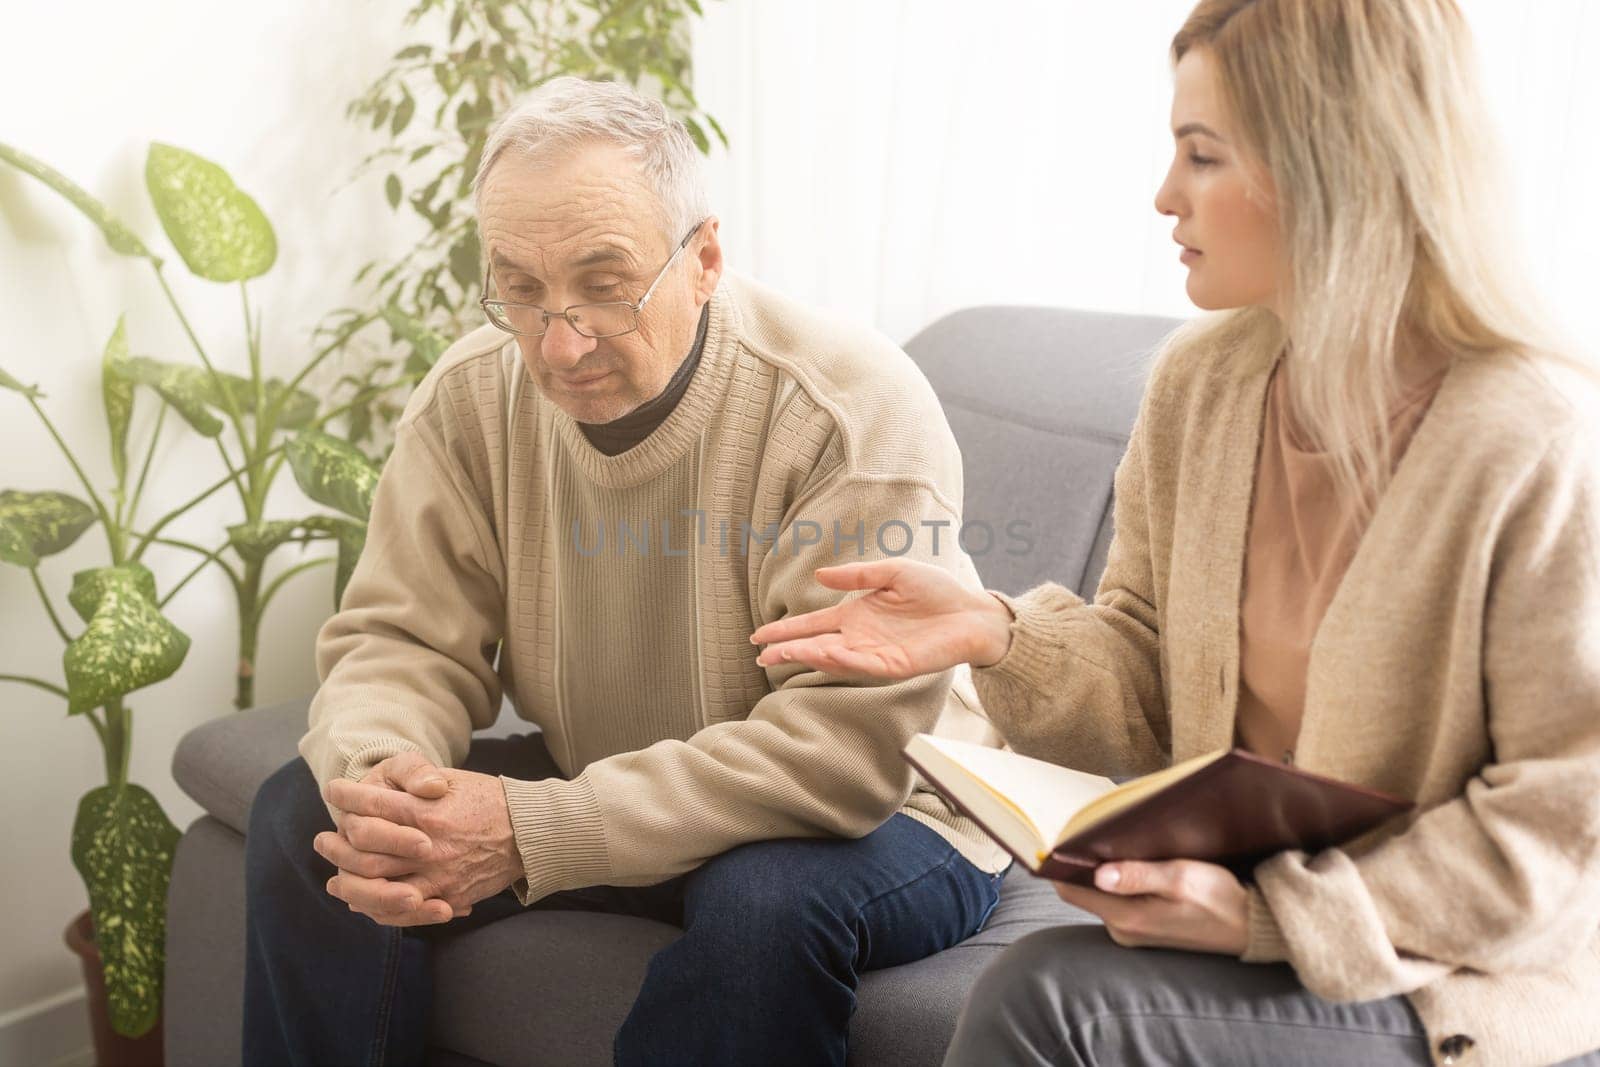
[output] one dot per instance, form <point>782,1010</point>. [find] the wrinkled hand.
<point>417,843</point>
<point>918,619</point>
<point>1176,904</point>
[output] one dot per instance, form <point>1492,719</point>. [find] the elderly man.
<point>591,503</point>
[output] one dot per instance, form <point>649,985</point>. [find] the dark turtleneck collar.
<point>617,436</point>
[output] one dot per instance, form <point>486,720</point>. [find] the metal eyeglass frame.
<point>566,313</point>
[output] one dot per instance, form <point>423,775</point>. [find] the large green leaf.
<point>333,472</point>
<point>128,644</point>
<point>90,587</point>
<point>34,525</point>
<point>221,233</point>
<point>122,846</point>
<point>8,382</point>
<point>192,391</point>
<point>255,541</point>
<point>186,387</point>
<point>119,237</point>
<point>426,344</point>
<point>352,539</point>
<point>116,389</point>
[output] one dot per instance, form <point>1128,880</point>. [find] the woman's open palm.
<point>917,619</point>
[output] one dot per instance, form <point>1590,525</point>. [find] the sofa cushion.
<point>548,987</point>
<point>1041,401</point>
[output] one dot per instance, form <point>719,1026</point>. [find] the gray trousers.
<point>1072,996</point>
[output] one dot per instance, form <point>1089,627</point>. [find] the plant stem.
<point>39,682</point>
<point>214,554</point>
<point>249,635</point>
<point>145,540</point>
<point>99,505</point>
<point>250,344</point>
<point>117,743</point>
<point>210,557</point>
<point>99,728</point>
<point>234,473</point>
<point>360,396</point>
<point>49,609</point>
<point>266,595</point>
<point>216,379</point>
<point>155,436</point>
<point>333,346</point>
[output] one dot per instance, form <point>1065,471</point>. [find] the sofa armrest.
<point>221,763</point>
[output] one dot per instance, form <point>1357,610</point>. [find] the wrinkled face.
<point>584,229</point>
<point>1222,198</point>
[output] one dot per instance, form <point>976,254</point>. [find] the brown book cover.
<point>1235,811</point>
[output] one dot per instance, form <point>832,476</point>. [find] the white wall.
<point>260,89</point>
<point>896,159</point>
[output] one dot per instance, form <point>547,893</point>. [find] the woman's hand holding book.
<point>1182,904</point>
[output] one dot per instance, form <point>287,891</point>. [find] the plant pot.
<point>111,1049</point>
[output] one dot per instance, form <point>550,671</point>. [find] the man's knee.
<point>749,901</point>
<point>285,816</point>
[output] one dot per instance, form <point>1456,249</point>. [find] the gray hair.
<point>566,112</point>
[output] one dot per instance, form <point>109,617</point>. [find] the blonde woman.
<point>1357,528</point>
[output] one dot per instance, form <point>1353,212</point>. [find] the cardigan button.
<point>1454,1047</point>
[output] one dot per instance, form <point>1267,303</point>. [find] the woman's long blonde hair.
<point>1368,118</point>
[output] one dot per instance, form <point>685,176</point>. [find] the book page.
<point>1046,795</point>
<point>1130,793</point>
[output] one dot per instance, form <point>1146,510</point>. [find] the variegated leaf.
<point>186,387</point>
<point>333,472</point>
<point>119,237</point>
<point>298,410</point>
<point>128,643</point>
<point>116,389</point>
<point>192,390</point>
<point>34,525</point>
<point>90,587</point>
<point>220,232</point>
<point>122,846</point>
<point>255,542</point>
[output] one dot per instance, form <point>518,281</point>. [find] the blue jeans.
<point>775,934</point>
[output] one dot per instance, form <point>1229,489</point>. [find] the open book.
<point>1228,807</point>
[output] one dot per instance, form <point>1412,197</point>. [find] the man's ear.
<point>707,251</point>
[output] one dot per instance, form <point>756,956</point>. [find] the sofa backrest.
<point>1041,401</point>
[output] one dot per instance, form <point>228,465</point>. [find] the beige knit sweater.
<point>1458,664</point>
<point>484,574</point>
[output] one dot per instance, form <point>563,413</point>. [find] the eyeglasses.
<point>610,319</point>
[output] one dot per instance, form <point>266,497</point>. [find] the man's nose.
<point>562,346</point>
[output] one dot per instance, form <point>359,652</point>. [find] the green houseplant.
<point>122,841</point>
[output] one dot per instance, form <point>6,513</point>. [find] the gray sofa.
<point>1041,401</point>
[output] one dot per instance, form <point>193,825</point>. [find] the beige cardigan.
<point>1458,664</point>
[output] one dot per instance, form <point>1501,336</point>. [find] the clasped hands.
<point>417,843</point>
